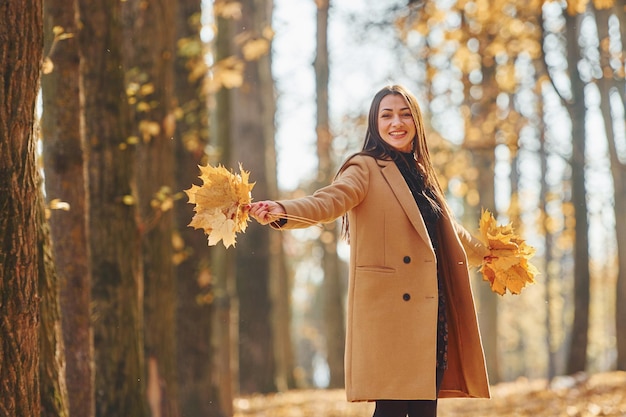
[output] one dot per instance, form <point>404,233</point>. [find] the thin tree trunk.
<point>21,44</point>
<point>66,181</point>
<point>577,359</point>
<point>199,386</point>
<point>225,324</point>
<point>484,161</point>
<point>548,239</point>
<point>52,390</point>
<point>618,171</point>
<point>117,292</point>
<point>250,115</point>
<point>481,144</point>
<point>331,286</point>
<point>151,28</point>
<point>620,208</point>
<point>281,312</point>
<point>620,12</point>
<point>280,280</point>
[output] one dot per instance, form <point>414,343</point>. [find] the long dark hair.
<point>376,147</point>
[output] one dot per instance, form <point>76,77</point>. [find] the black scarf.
<point>424,197</point>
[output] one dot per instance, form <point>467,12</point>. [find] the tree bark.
<point>280,280</point>
<point>52,390</point>
<point>150,55</point>
<point>332,288</point>
<point>200,387</point>
<point>251,114</point>
<point>21,52</point>
<point>280,287</point>
<point>606,84</point>
<point>482,148</point>
<point>484,161</point>
<point>577,358</point>
<point>117,292</point>
<point>549,247</point>
<point>66,181</point>
<point>225,325</point>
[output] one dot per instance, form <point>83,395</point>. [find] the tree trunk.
<point>577,359</point>
<point>280,279</point>
<point>618,171</point>
<point>225,329</point>
<point>546,229</point>
<point>66,181</point>
<point>333,311</point>
<point>21,45</point>
<point>117,293</point>
<point>481,144</point>
<point>251,114</point>
<point>480,140</point>
<point>620,12</point>
<point>199,389</point>
<point>52,390</point>
<point>150,46</point>
<point>281,312</point>
<point>484,161</point>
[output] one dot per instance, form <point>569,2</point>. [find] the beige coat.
<point>392,294</point>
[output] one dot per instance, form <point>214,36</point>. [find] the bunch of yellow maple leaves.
<point>221,203</point>
<point>507,266</point>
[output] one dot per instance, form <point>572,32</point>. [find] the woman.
<point>412,334</point>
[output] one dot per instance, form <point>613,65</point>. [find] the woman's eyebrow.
<point>402,109</point>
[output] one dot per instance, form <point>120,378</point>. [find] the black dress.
<point>431,212</point>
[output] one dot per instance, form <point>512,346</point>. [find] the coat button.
<point>406,296</point>
<point>407,259</point>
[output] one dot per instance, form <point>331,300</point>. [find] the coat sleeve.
<point>474,248</point>
<point>328,203</point>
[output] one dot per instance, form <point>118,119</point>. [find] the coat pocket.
<point>374,269</point>
<point>378,305</point>
<point>387,330</point>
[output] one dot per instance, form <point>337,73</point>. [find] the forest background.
<point>111,306</point>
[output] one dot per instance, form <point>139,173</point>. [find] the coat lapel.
<point>402,192</point>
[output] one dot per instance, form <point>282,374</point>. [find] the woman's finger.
<point>265,212</point>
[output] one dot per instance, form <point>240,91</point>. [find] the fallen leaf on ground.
<point>581,395</point>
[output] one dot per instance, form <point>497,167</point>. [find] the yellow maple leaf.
<point>224,231</point>
<point>507,266</point>
<point>220,203</point>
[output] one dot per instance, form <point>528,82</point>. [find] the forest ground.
<point>601,394</point>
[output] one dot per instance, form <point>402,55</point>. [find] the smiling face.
<point>395,122</point>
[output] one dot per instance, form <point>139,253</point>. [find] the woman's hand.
<point>266,212</point>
